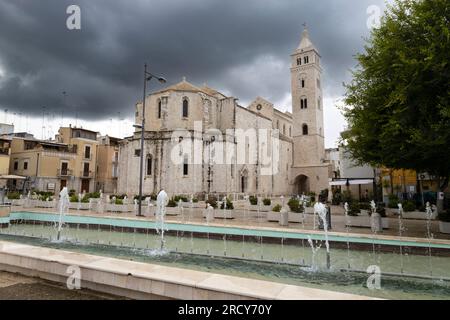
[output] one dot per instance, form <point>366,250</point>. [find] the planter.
<point>295,217</point>
<point>172,211</point>
<point>260,208</point>
<point>17,202</point>
<point>363,222</point>
<point>219,214</point>
<point>444,227</point>
<point>45,204</point>
<point>273,216</point>
<point>195,205</point>
<point>79,206</point>
<point>223,214</point>
<point>118,208</point>
<point>417,215</point>
<point>309,210</point>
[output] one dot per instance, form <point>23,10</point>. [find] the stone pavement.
<point>17,287</point>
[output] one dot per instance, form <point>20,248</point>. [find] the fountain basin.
<point>264,251</point>
<point>147,281</point>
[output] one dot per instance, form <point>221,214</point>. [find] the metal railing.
<point>64,173</point>
<point>86,174</point>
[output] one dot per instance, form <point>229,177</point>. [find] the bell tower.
<point>307,112</point>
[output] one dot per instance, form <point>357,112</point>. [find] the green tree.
<point>398,107</point>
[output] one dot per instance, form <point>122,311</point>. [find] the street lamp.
<point>147,77</point>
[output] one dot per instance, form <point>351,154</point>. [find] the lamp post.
<point>147,77</point>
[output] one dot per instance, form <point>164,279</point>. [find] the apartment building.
<point>5,153</point>
<point>107,164</point>
<point>68,161</point>
<point>82,170</point>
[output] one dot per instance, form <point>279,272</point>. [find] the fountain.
<point>429,212</point>
<point>321,211</point>
<point>400,233</point>
<point>161,202</point>
<point>64,203</point>
<point>346,210</point>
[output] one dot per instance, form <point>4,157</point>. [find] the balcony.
<point>4,151</point>
<point>64,173</point>
<point>86,174</point>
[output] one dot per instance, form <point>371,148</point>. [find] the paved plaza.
<point>18,287</point>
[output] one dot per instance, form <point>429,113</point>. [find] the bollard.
<point>284,217</point>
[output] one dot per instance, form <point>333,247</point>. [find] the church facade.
<point>200,141</point>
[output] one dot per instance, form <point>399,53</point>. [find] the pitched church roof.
<point>186,86</point>
<point>181,86</point>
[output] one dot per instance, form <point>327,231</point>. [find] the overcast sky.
<point>239,47</point>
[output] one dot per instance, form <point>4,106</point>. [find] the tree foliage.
<point>398,106</point>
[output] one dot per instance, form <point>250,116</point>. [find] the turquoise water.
<point>405,276</point>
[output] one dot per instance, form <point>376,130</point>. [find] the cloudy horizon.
<point>241,48</point>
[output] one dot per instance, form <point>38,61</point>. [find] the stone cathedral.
<point>200,141</point>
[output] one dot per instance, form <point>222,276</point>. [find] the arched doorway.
<point>301,184</point>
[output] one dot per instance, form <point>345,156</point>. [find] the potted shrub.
<point>14,198</point>
<point>225,212</point>
<point>364,208</point>
<point>410,211</point>
<point>295,214</point>
<point>76,204</point>
<point>254,205</point>
<point>444,222</point>
<point>274,215</point>
<point>253,200</point>
<point>267,205</point>
<point>172,207</point>
<point>355,217</point>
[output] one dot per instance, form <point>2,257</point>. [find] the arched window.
<point>159,109</point>
<point>305,129</point>
<point>318,103</point>
<point>303,103</point>
<point>185,108</point>
<point>290,131</point>
<point>306,59</point>
<point>303,83</point>
<point>278,124</point>
<point>149,165</point>
<point>299,61</point>
<point>284,129</point>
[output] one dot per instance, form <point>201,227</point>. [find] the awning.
<point>362,181</point>
<point>338,183</point>
<point>351,181</point>
<point>12,177</point>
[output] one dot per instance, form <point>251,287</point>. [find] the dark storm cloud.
<point>241,47</point>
